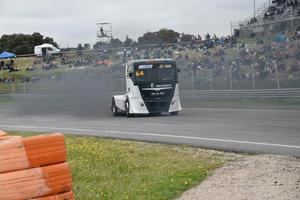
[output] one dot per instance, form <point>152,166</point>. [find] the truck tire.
<point>127,108</point>
<point>174,113</point>
<point>114,108</point>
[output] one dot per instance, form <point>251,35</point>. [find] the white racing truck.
<point>151,88</point>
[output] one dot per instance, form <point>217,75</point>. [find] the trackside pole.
<point>230,77</point>
<point>24,87</point>
<point>276,71</point>
<point>211,79</point>
<point>13,88</point>
<point>253,78</point>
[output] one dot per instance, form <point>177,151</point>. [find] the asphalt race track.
<point>241,130</point>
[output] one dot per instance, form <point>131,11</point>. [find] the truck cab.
<point>151,88</point>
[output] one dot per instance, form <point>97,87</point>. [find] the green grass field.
<point>114,169</point>
<point>24,62</point>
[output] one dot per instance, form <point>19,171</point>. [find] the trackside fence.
<point>193,95</point>
<point>264,94</point>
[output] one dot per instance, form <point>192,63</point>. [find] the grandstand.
<point>273,15</point>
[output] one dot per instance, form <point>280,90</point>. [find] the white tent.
<point>45,49</point>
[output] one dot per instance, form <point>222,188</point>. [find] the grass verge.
<point>114,169</point>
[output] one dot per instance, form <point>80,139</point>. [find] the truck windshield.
<point>154,72</point>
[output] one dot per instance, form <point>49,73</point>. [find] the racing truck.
<point>151,88</point>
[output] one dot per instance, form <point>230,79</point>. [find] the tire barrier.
<point>63,196</point>
<point>34,168</point>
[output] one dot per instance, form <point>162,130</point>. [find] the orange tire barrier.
<point>36,182</point>
<point>8,137</point>
<point>2,133</point>
<point>34,168</point>
<point>4,136</point>
<point>63,196</point>
<point>23,153</point>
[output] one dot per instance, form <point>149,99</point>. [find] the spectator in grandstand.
<point>297,34</point>
<point>207,37</point>
<point>280,38</point>
<point>219,52</point>
<point>236,33</point>
<point>199,37</point>
<point>252,20</point>
<point>292,3</point>
<point>208,44</point>
<point>10,65</point>
<point>235,69</point>
<point>297,54</point>
<point>279,2</point>
<point>25,79</point>
<point>294,67</point>
<point>215,37</point>
<point>9,80</point>
<point>2,65</point>
<point>207,53</point>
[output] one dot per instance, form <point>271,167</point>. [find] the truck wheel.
<point>127,108</point>
<point>114,108</point>
<point>174,113</point>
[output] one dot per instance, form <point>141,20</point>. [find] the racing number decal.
<point>139,73</point>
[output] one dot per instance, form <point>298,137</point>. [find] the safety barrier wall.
<point>274,94</point>
<point>259,94</point>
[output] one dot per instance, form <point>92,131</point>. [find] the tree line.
<point>23,43</point>
<point>158,37</point>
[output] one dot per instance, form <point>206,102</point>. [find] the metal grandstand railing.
<point>258,13</point>
<point>288,15</point>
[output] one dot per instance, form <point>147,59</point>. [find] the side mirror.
<point>178,70</point>
<point>130,74</point>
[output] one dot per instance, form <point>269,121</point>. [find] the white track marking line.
<point>241,109</point>
<point>155,135</point>
<point>205,139</point>
<point>45,127</point>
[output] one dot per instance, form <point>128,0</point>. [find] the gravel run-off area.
<point>259,177</point>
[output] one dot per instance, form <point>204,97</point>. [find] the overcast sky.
<point>74,21</point>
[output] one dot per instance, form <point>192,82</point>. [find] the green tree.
<point>115,42</point>
<point>50,41</point>
<point>186,37</point>
<point>37,39</point>
<point>168,35</point>
<point>149,38</point>
<point>128,42</point>
<point>86,46</point>
<point>23,49</point>
<point>160,37</point>
<point>23,43</point>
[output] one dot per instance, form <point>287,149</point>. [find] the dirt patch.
<point>259,177</point>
